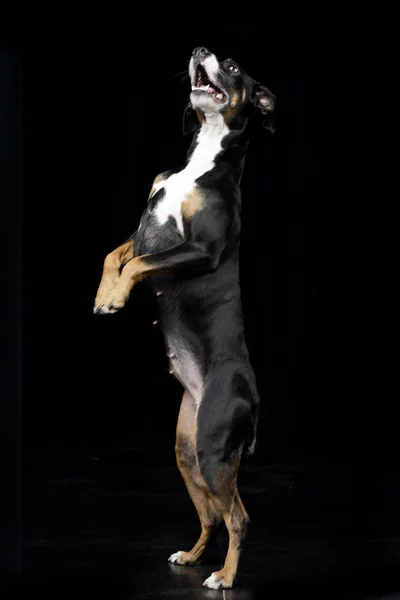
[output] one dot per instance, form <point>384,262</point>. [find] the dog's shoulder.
<point>158,180</point>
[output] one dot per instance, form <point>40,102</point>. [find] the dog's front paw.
<point>102,296</point>
<point>105,309</point>
<point>112,303</point>
<point>109,307</point>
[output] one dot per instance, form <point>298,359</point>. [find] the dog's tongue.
<point>212,91</point>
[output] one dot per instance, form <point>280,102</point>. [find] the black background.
<point>99,121</point>
<point>104,122</point>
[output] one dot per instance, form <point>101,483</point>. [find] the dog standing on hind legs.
<point>187,248</point>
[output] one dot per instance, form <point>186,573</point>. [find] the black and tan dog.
<point>187,246</point>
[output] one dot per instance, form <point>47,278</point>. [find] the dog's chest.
<point>176,191</point>
<point>181,187</point>
<point>162,224</point>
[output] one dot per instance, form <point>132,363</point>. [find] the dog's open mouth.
<point>203,84</point>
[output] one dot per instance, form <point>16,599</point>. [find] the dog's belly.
<point>185,366</point>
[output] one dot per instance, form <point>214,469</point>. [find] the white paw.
<point>174,557</point>
<point>212,582</point>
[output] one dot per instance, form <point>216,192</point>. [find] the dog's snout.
<point>200,52</point>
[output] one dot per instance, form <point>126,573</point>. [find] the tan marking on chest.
<point>193,202</point>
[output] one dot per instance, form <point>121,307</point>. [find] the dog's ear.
<point>265,101</point>
<point>190,121</point>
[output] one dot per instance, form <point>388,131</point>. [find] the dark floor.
<point>103,527</point>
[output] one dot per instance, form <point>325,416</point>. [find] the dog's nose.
<point>200,52</point>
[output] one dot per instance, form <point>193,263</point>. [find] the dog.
<point>187,248</point>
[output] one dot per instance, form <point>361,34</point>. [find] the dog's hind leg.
<point>199,493</point>
<point>224,421</point>
<point>226,498</point>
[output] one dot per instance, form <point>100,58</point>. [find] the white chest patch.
<point>180,184</point>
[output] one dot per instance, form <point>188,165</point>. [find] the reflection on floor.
<point>103,527</point>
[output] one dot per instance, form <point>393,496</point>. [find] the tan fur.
<point>111,269</point>
<point>232,108</point>
<point>224,501</point>
<point>192,203</point>
<point>200,117</point>
<point>134,271</point>
<point>227,500</point>
<point>186,459</point>
<point>158,179</point>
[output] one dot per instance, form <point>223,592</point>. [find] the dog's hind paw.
<point>215,582</point>
<point>174,558</point>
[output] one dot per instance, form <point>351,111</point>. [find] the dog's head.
<point>223,87</point>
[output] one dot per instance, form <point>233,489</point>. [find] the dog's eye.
<point>233,68</point>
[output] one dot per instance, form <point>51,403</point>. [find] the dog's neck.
<point>217,145</point>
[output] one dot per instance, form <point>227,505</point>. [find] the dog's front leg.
<point>113,263</point>
<point>189,258</point>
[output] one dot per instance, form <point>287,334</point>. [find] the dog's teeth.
<point>219,96</point>
<point>203,88</point>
